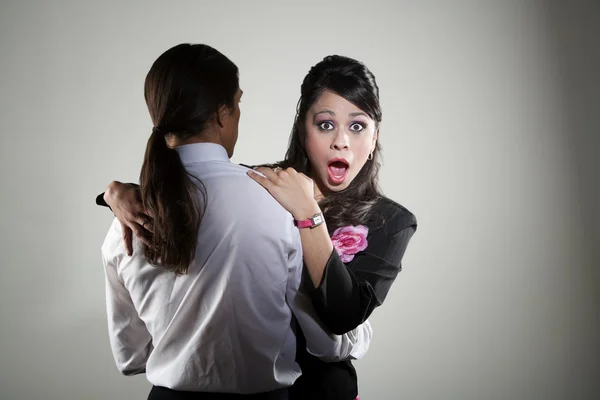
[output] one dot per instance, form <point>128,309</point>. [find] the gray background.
<point>490,133</point>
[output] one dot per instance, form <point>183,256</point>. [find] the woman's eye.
<point>325,126</point>
<point>356,127</point>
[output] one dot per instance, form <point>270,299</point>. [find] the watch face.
<point>318,219</point>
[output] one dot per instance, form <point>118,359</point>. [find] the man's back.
<point>225,325</point>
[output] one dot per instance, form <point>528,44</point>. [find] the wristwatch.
<point>312,222</point>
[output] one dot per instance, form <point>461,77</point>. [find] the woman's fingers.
<point>144,235</point>
<point>139,231</point>
<point>145,221</point>
<point>271,174</point>
<point>264,182</point>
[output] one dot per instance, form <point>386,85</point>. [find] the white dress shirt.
<point>225,326</point>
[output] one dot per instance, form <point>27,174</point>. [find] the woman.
<point>197,308</point>
<point>354,258</point>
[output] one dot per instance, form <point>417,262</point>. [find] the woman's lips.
<point>338,170</point>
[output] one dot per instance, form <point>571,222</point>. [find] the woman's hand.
<point>293,190</point>
<point>126,203</point>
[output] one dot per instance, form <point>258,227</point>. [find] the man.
<point>225,325</point>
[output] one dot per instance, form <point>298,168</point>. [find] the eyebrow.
<point>354,114</point>
<point>325,112</point>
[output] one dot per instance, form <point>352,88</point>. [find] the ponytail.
<point>170,196</point>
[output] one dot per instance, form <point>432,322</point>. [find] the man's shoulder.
<point>230,183</point>
<point>113,244</point>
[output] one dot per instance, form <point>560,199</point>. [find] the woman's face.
<point>339,139</point>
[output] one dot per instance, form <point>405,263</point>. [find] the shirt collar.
<point>201,152</point>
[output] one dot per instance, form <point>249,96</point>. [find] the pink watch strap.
<point>304,223</point>
<point>313,221</point>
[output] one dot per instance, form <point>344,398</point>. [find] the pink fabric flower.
<point>349,240</point>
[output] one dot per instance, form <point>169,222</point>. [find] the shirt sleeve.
<point>348,294</point>
<point>100,201</point>
<point>130,341</point>
<point>320,341</point>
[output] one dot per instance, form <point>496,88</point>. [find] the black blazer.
<point>347,296</point>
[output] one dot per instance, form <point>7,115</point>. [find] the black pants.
<point>162,393</point>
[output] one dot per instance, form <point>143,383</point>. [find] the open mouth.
<point>338,170</point>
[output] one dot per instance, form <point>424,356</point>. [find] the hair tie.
<point>159,130</point>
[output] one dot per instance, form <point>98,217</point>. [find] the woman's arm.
<point>125,201</point>
<point>101,202</point>
<point>316,243</point>
<point>348,293</point>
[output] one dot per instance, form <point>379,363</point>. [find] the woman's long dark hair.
<point>353,81</point>
<point>185,88</point>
